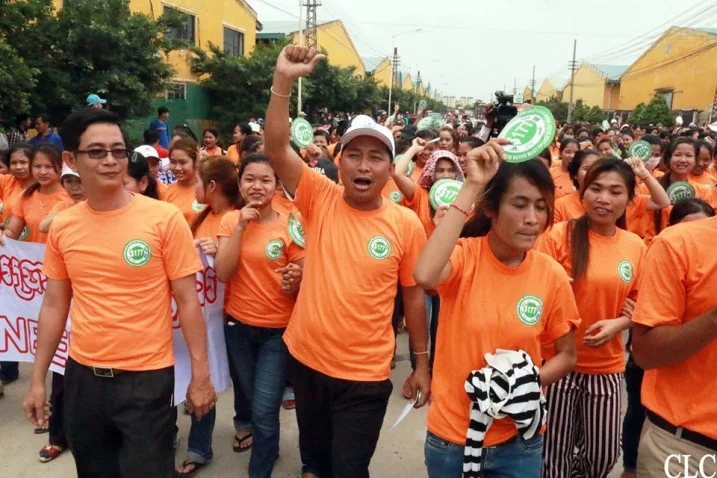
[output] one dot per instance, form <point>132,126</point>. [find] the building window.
<point>667,95</point>
<point>186,31</point>
<point>233,42</point>
<point>176,91</point>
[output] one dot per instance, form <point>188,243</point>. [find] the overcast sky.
<point>475,47</point>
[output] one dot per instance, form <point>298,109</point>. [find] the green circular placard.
<point>296,231</point>
<point>679,191</point>
<point>444,192</point>
<point>640,149</point>
<point>301,132</point>
<point>530,133</point>
<point>423,104</point>
<point>425,123</point>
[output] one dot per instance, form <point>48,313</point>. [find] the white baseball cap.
<point>67,171</point>
<point>255,127</point>
<point>713,126</point>
<point>147,151</point>
<point>363,125</point>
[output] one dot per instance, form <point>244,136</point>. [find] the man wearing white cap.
<point>94,101</point>
<point>359,246</point>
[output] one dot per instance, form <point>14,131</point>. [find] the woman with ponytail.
<point>604,262</point>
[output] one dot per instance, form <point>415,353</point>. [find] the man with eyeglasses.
<point>114,262</point>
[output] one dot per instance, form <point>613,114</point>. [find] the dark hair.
<point>22,117</point>
<point>454,136</point>
<point>151,136</point>
<point>472,141</point>
<point>55,156</point>
<point>546,155</point>
<point>138,168</point>
<point>213,131</point>
<point>596,132</point>
<point>24,147</point>
<point>577,234</point>
<point>666,180</point>
<point>189,146</point>
<point>689,206</point>
<point>426,134</point>
<point>567,142</point>
<point>707,146</point>
<point>577,162</point>
<point>321,132</point>
<point>652,139</point>
<point>222,171</point>
<point>244,128</point>
<point>582,130</point>
<point>533,171</point>
<point>250,144</point>
<point>45,118</point>
<point>604,140</point>
<point>77,122</point>
<point>5,158</point>
<point>161,110</point>
<point>627,132</point>
<point>251,159</point>
<point>186,130</point>
<point>402,145</point>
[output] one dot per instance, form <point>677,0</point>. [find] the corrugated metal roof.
<point>372,62</point>
<point>708,30</point>
<point>611,72</point>
<point>280,27</point>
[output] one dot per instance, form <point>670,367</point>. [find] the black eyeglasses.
<point>99,153</point>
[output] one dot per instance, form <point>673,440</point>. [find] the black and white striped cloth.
<point>509,386</point>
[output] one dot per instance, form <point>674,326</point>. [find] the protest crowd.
<point>538,278</point>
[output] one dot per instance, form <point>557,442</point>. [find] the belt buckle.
<point>103,372</point>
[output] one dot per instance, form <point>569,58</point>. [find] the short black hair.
<point>321,132</point>
<point>22,117</point>
<point>151,136</point>
<point>77,123</point>
<point>472,141</point>
<point>245,129</point>
<point>652,139</point>
<point>161,110</point>
<point>44,117</point>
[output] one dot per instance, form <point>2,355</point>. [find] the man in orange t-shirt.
<point>359,246</point>
<point>114,262</point>
<point>675,340</point>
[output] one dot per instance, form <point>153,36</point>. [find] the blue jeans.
<point>199,448</point>
<point>260,359</point>
<point>516,458</point>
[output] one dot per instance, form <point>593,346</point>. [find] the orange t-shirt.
<point>281,204</point>
<point>571,207</point>
<point>62,205</point>
<point>612,276</point>
<point>417,171</point>
<point>354,261</point>
<point>679,287</point>
<point>233,154</point>
<point>210,226</point>
<point>706,179</point>
<point>563,184</point>
<point>485,306</point>
<point>184,199</point>
<point>391,191</point>
<point>120,264</point>
<point>649,223</point>
<point>10,191</point>
<point>421,205</point>
<point>568,207</point>
<point>162,191</point>
<point>256,297</point>
<point>33,209</point>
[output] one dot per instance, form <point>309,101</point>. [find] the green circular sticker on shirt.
<point>530,133</point>
<point>301,132</point>
<point>395,196</point>
<point>444,192</point>
<point>296,232</point>
<point>679,191</point>
<point>640,149</point>
<point>196,206</point>
<point>23,235</point>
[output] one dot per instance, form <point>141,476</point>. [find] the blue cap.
<point>93,99</point>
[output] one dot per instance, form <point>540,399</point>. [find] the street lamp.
<point>393,55</point>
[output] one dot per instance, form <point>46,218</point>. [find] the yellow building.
<point>379,68</point>
<point>331,37</point>
<point>406,82</point>
<point>547,91</point>
<point>681,66</point>
<point>527,94</point>
<point>598,85</point>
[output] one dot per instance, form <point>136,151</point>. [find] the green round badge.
<point>423,104</point>
<point>274,249</point>
<point>23,235</point>
<point>379,247</point>
<point>625,271</point>
<point>395,196</point>
<point>530,133</point>
<point>640,149</point>
<point>196,206</point>
<point>301,132</point>
<point>444,192</point>
<point>529,309</point>
<point>679,191</point>
<point>296,232</point>
<point>137,253</point>
<point>425,123</point>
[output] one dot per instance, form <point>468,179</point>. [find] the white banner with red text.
<point>22,286</point>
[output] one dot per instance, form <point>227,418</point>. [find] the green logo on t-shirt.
<point>379,247</point>
<point>624,270</point>
<point>137,253</point>
<point>529,309</point>
<point>196,206</point>
<point>395,196</point>
<point>274,249</point>
<point>23,235</point>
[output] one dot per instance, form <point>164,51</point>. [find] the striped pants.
<point>583,435</point>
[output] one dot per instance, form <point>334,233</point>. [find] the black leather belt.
<point>104,372</point>
<point>679,432</point>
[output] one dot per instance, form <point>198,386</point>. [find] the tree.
<point>636,117</point>
<point>657,112</point>
<point>558,108</point>
<point>88,47</point>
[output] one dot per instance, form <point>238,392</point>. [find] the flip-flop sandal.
<point>194,471</point>
<point>41,430</point>
<point>406,389</point>
<point>237,447</point>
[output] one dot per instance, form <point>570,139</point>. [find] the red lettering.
<point>63,350</point>
<point>15,335</point>
<point>210,285</point>
<point>24,276</point>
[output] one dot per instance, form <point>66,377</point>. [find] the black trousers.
<point>339,422</point>
<point>120,427</point>
<point>634,416</point>
<point>57,405</point>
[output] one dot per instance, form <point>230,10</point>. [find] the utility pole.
<point>515,86</point>
<point>573,66</point>
<point>311,39</point>
<point>532,87</point>
<point>415,96</point>
<point>299,104</point>
<point>394,79</point>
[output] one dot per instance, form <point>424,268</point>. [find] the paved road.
<point>399,452</point>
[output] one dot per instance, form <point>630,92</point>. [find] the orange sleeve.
<point>414,242</point>
<point>178,251</point>
<point>54,265</point>
<point>19,210</point>
<point>639,272</point>
<point>662,293</point>
<point>457,262</point>
<point>228,224</point>
<point>312,186</point>
<point>564,315</point>
<point>559,214</point>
